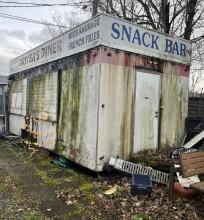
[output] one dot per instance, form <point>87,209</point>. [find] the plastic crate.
<point>141,185</point>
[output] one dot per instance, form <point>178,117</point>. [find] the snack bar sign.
<point>81,38</point>
<point>108,31</point>
<point>129,37</point>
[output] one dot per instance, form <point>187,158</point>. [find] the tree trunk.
<point>165,26</point>
<point>190,13</point>
<point>95,8</point>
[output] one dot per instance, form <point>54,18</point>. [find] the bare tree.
<point>64,22</point>
<point>181,18</point>
<point>178,17</point>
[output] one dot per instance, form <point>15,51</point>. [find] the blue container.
<point>141,184</point>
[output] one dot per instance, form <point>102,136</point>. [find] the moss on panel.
<point>174,107</point>
<point>75,102</point>
<point>42,95</point>
<point>14,87</point>
<point>35,95</point>
<point>69,109</point>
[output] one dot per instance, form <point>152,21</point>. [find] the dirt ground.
<point>33,188</point>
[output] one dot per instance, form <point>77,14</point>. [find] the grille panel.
<point>126,166</point>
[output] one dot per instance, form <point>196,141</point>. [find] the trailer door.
<point>146,120</point>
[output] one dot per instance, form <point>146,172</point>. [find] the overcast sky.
<point>16,37</point>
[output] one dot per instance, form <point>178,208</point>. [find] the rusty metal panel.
<point>45,132</point>
<point>42,96</point>
<point>17,97</point>
<point>174,106</point>
<point>115,112</point>
<point>16,123</point>
<point>78,121</point>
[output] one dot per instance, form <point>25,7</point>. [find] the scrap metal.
<point>133,168</point>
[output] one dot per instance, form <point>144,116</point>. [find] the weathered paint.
<point>16,123</point>
<point>84,105</point>
<point>77,134</point>
<point>17,97</point>
<point>174,93</point>
<point>42,96</point>
<point>115,112</point>
<point>45,132</point>
<point>97,105</point>
<point>174,105</point>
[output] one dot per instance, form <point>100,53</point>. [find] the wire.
<point>31,3</point>
<point>34,6</point>
<point>3,15</point>
<point>26,4</point>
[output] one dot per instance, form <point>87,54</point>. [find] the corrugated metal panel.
<point>78,114</point>
<point>16,123</point>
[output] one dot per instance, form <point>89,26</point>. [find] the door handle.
<point>156,114</point>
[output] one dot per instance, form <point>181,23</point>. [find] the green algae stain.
<point>75,103</point>
<point>36,92</point>
<point>173,100</point>
<point>69,109</point>
<point>14,87</point>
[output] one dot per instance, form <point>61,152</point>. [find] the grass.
<point>140,216</point>
<point>35,216</point>
<point>3,187</point>
<point>86,187</point>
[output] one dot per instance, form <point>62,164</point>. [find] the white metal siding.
<point>46,133</point>
<point>16,122</point>
<point>116,97</point>
<point>18,94</point>
<point>82,147</point>
<point>42,96</point>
